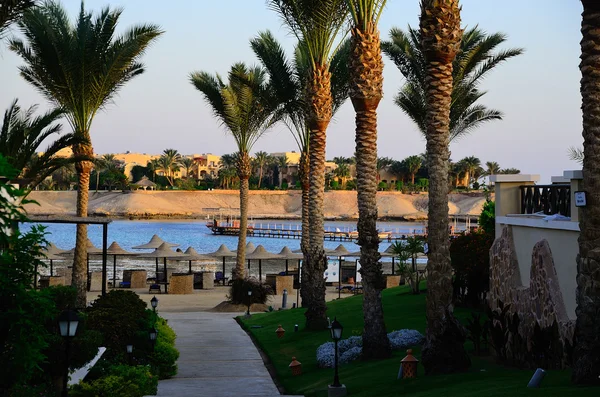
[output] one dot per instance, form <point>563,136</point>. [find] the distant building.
<point>206,165</point>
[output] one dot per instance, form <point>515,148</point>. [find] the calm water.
<point>194,233</point>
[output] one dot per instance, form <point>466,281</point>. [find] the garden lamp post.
<point>336,334</point>
<point>129,353</point>
<point>152,334</point>
<point>154,303</point>
<point>249,302</point>
<point>67,323</point>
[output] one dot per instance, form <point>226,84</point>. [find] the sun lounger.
<point>219,277</point>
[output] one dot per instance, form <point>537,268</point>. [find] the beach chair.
<point>219,277</point>
<point>155,288</point>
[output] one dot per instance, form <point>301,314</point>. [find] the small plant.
<point>478,332</point>
<point>121,380</point>
<point>405,251</point>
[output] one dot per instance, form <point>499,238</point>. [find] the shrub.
<point>165,354</point>
<point>335,184</point>
<point>382,186</point>
<point>470,258</point>
<point>122,381</point>
<point>487,219</point>
<point>122,318</point>
<point>238,293</point>
<point>399,185</point>
<point>351,185</point>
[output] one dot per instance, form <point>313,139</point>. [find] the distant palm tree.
<point>153,166</point>
<point>471,164</point>
<point>510,171</point>
<point>80,68</point>
<point>413,164</point>
<point>11,11</point>
<point>170,162</point>
<point>493,168</point>
<point>187,163</point>
<point>476,57</point>
<point>440,38</point>
<point>261,160</point>
<point>21,135</point>
<point>282,163</point>
<point>383,163</point>
<point>316,26</point>
<point>245,107</point>
<point>343,173</point>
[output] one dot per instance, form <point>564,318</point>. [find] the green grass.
<point>378,378</point>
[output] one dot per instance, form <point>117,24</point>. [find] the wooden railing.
<point>549,199</point>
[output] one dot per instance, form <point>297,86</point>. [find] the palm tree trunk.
<point>244,171</point>
<point>586,361</point>
<point>366,69</point>
<point>80,276</point>
<point>443,351</point>
<point>320,112</point>
<point>260,174</point>
<point>304,170</point>
<point>412,179</point>
<point>97,179</point>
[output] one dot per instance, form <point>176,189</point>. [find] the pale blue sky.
<point>538,91</point>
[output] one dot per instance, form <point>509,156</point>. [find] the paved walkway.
<point>217,359</point>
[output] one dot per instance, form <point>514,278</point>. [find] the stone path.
<point>217,359</point>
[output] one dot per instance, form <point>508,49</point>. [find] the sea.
<point>195,233</point>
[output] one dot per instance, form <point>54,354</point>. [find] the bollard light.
<point>409,365</point>
<point>296,367</point>
<point>249,302</point>
<point>280,332</point>
<point>67,324</point>
<point>129,353</point>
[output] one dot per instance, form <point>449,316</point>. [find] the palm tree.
<point>187,163</point>
<point>11,11</point>
<point>493,168</point>
<point>471,165</point>
<point>282,163</point>
<point>510,171</point>
<point>289,80</point>
<point>443,350</point>
<point>21,135</point>
<point>245,107</point>
<point>366,91</point>
<point>261,159</point>
<point>383,163</point>
<point>170,162</point>
<point>80,68</point>
<point>343,173</point>
<point>153,165</point>
<point>476,57</point>
<point>413,165</point>
<point>316,25</point>
<point>576,154</point>
<point>586,361</point>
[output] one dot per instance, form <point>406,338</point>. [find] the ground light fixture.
<point>249,302</point>
<point>280,332</point>
<point>336,389</point>
<point>67,324</point>
<point>152,334</point>
<point>129,352</point>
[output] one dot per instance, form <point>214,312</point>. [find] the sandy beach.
<point>262,204</point>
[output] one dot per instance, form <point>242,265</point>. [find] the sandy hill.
<point>263,204</point>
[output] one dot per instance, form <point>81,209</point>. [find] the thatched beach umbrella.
<point>165,252</point>
<point>223,252</point>
<point>259,254</point>
<point>53,249</point>
<point>288,254</point>
<point>154,243</point>
<point>51,257</point>
<point>340,251</point>
<point>190,255</point>
<point>115,250</point>
<point>145,183</point>
<point>91,249</point>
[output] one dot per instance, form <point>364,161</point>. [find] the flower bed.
<point>351,349</point>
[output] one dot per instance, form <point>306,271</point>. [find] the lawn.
<point>378,378</point>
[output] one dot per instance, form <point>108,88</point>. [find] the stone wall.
<point>541,302</point>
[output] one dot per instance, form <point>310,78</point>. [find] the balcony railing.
<point>548,199</point>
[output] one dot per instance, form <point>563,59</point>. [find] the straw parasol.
<point>163,251</point>
<point>91,250</point>
<point>223,252</point>
<point>340,251</point>
<point>145,183</point>
<point>154,243</point>
<point>49,256</point>
<point>190,255</point>
<point>287,254</point>
<point>259,254</point>
<point>53,249</point>
<point>115,250</point>
<point>249,248</point>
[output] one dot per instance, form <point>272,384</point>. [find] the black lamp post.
<point>249,301</point>
<point>129,353</point>
<point>154,303</point>
<point>336,334</point>
<point>153,334</point>
<point>67,323</point>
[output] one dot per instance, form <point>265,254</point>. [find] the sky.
<point>538,92</point>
